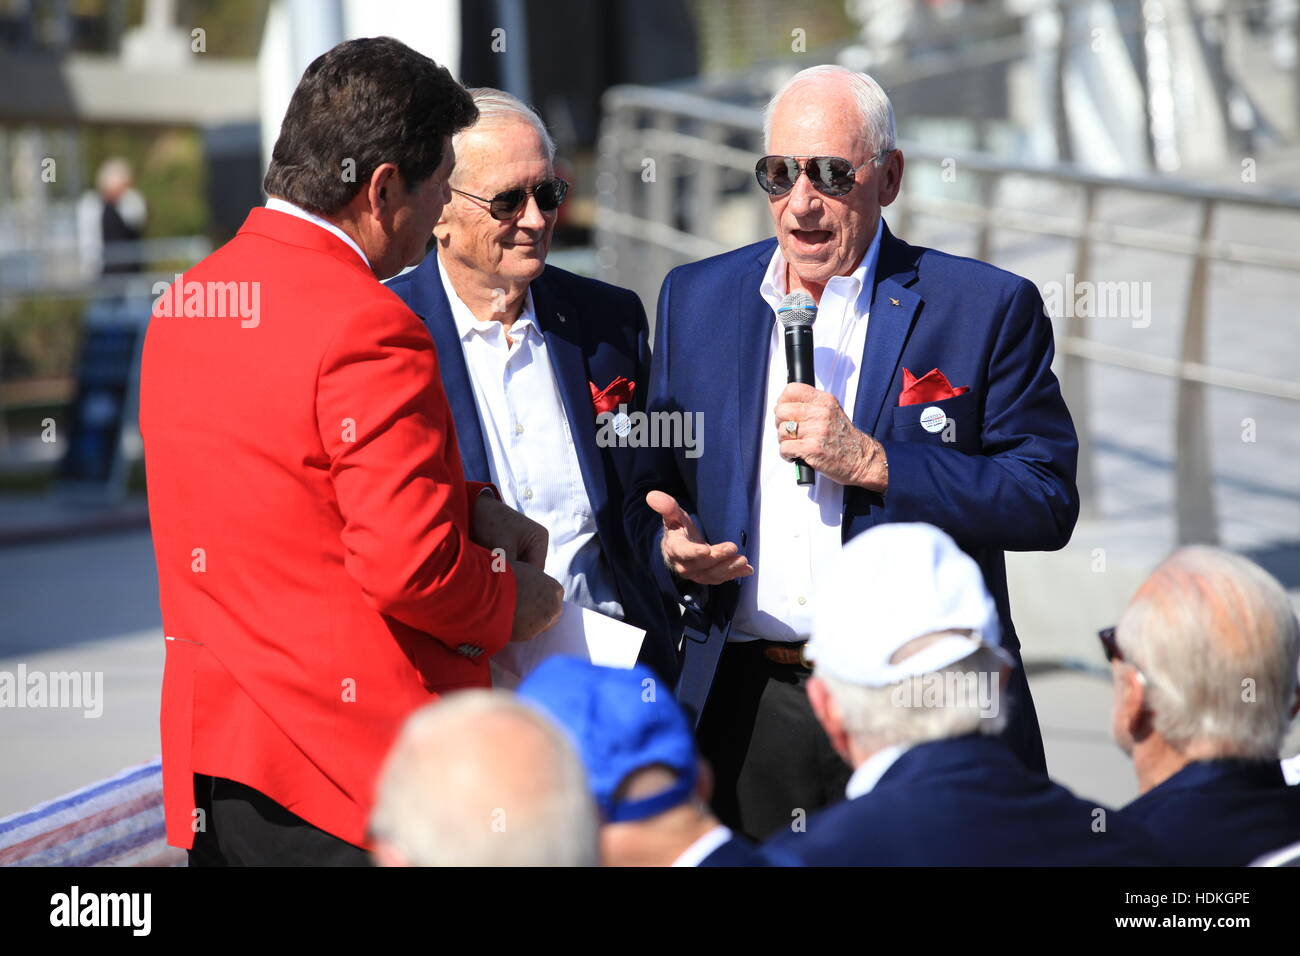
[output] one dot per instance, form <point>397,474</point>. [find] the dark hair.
<point>370,101</point>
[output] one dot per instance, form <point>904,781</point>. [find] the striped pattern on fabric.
<point>116,822</point>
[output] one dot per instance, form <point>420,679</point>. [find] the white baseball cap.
<point>893,584</point>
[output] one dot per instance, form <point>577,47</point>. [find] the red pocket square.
<point>933,386</point>
<point>616,393</point>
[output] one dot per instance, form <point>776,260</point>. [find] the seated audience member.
<point>480,779</point>
<point>651,789</point>
<point>1204,672</point>
<point>909,683</point>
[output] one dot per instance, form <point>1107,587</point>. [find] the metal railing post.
<point>1074,384</point>
<point>1197,521</point>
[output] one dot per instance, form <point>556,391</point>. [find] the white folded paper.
<point>579,632</point>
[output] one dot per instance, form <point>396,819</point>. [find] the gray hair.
<point>479,778</point>
<point>933,706</point>
<point>877,113</point>
<point>497,107</point>
<point>1217,639</point>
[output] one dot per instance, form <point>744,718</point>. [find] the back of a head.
<point>926,662</point>
<point>480,779</point>
<point>361,104</point>
<point>952,701</point>
<point>1217,640</point>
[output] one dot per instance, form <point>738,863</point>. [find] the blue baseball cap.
<point>621,721</point>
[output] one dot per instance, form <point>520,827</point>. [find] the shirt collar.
<point>277,204</point>
<point>857,285</point>
<point>704,846</point>
<point>467,324</point>
<point>867,775</point>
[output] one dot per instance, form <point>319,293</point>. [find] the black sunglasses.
<point>830,175</point>
<point>1110,645</point>
<point>550,194</point>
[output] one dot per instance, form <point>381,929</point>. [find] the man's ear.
<point>891,180</point>
<point>1134,710</point>
<point>384,191</point>
<point>827,712</point>
<point>703,780</point>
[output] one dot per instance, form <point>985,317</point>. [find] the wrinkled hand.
<point>827,440</point>
<point>497,525</point>
<point>539,601</point>
<point>686,552</point>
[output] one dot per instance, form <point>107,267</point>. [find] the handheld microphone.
<point>797,313</point>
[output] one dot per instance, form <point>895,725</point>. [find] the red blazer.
<point>310,523</point>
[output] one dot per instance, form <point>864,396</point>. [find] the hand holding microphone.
<point>813,430</point>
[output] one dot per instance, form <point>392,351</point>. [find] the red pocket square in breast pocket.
<point>616,393</point>
<point>933,386</point>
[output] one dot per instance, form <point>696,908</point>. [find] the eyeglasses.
<point>550,195</point>
<point>1109,645</point>
<point>830,175</point>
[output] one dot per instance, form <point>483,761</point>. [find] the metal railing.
<point>669,161</point>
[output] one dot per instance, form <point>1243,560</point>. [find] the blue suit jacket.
<point>968,802</point>
<point>594,332</point>
<point>1005,484</point>
<point>1221,812</point>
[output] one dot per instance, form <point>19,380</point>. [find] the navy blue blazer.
<point>594,332</point>
<point>1005,483</point>
<point>1221,812</point>
<point>968,801</point>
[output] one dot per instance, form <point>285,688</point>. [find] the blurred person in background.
<point>1203,665</point>
<point>909,684</point>
<point>530,356</point>
<point>481,779</point>
<point>114,212</point>
<point>650,787</point>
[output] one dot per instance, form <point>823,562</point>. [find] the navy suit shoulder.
<point>968,802</point>
<point>1221,812</point>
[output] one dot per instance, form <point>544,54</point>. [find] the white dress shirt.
<point>796,528</point>
<point>867,775</point>
<point>699,851</point>
<point>531,452</point>
<point>282,205</point>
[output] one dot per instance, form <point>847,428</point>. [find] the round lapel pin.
<point>933,419</point>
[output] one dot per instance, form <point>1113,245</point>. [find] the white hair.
<point>932,706</point>
<point>479,778</point>
<point>497,107</point>
<point>1217,640</point>
<point>877,113</point>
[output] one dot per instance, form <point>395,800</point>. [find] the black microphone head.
<point>797,309</point>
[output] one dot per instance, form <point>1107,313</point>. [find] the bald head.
<point>1216,640</point>
<point>480,779</point>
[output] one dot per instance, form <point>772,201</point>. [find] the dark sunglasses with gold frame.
<point>549,193</point>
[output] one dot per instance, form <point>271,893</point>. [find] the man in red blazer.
<point>324,567</point>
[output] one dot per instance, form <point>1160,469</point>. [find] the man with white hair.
<point>480,779</point>
<point>933,400</point>
<point>913,696</point>
<point>1204,671</point>
<point>539,364</point>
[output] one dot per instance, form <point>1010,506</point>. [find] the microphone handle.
<point>799,368</point>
